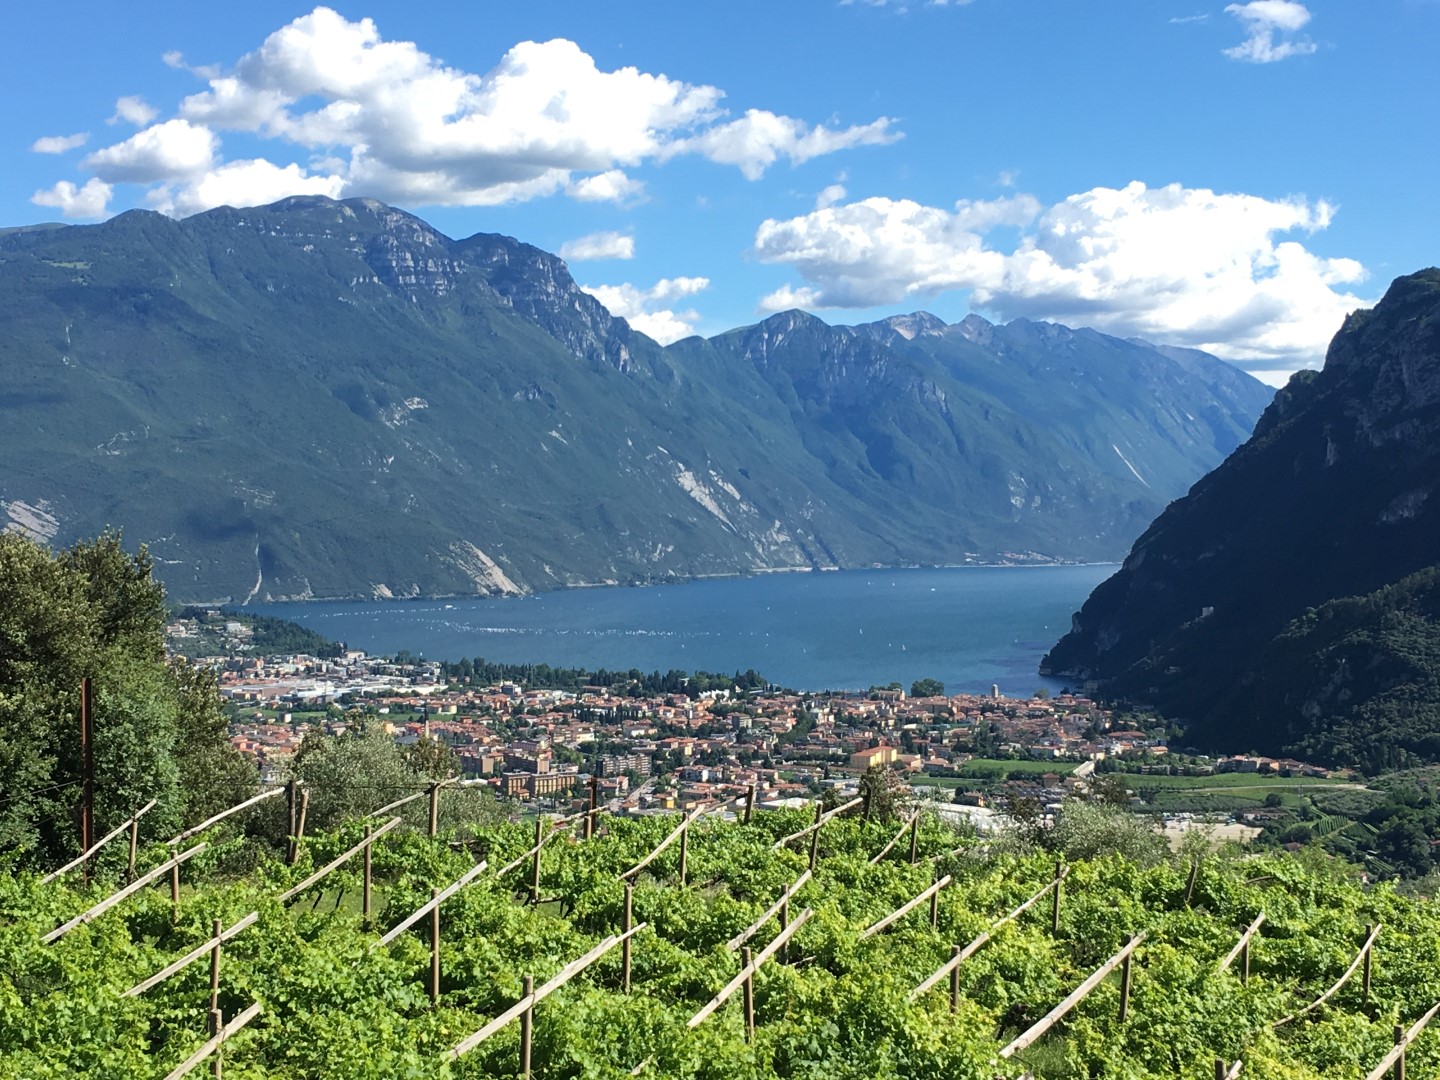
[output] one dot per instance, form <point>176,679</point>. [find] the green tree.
<point>927,688</point>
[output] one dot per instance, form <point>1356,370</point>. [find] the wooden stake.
<point>365,888</point>
<point>1190,885</point>
<point>590,821</point>
<point>1219,1069</point>
<point>1245,965</point>
<point>1399,1073</point>
<point>749,999</point>
<point>814,849</point>
<point>955,979</point>
<point>1125,987</point>
<point>134,843</point>
<point>914,838</point>
<point>1369,969</point>
<point>1055,900</point>
<point>684,853</point>
<point>299,826</point>
<point>527,1027</point>
<point>934,910</point>
<point>175,892</point>
<point>292,806</point>
<point>625,924</point>
<point>215,976</point>
<point>217,1025</point>
<point>749,804</point>
<point>434,810</point>
<point>435,951</point>
<point>784,922</point>
<point>87,775</point>
<point>535,866</point>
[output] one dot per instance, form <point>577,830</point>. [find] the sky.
<point>1233,177</point>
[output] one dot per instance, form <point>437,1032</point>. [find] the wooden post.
<point>174,892</point>
<point>625,929</point>
<point>594,806</point>
<point>1055,900</point>
<point>134,843</point>
<point>299,833</point>
<point>955,979</point>
<point>87,772</point>
<point>1125,987</point>
<point>1245,965</point>
<point>914,838</point>
<point>434,951</point>
<point>934,910</point>
<point>434,810</point>
<point>535,866</point>
<point>749,999</point>
<point>292,803</point>
<point>217,1025</point>
<point>365,888</point>
<point>749,804</point>
<point>784,922</point>
<point>1399,1073</point>
<point>1369,969</point>
<point>1219,1069</point>
<point>1190,885</point>
<point>215,974</point>
<point>814,849</point>
<point>684,853</point>
<point>527,1027</point>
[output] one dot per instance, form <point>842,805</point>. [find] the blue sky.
<point>1229,177</point>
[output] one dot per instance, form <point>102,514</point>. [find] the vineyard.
<point>706,945</point>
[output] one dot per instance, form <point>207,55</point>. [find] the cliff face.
<point>1334,496</point>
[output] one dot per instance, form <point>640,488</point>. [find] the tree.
<point>927,688</point>
<point>887,796</point>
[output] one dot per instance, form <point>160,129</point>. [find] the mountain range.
<point>1290,603</point>
<point>332,399</point>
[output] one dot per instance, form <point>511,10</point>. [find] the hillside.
<point>1230,612</point>
<point>321,399</point>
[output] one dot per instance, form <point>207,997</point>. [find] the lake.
<point>969,627</point>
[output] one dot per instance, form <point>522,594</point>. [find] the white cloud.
<point>1185,20</point>
<point>1270,26</point>
<point>133,110</point>
<point>829,196</point>
<point>601,245</point>
<point>755,141</point>
<point>89,201</point>
<point>58,144</point>
<point>642,309</point>
<point>1179,265</point>
<point>609,186</point>
<point>242,183</point>
<point>176,148</point>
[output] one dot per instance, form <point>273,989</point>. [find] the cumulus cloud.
<point>133,110</point>
<point>829,196</point>
<point>392,121</point>
<point>58,144</point>
<point>644,309</point>
<point>1185,266</point>
<point>1270,29</point>
<point>89,201</point>
<point>176,148</point>
<point>242,183</point>
<point>601,245</point>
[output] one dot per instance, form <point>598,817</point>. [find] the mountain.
<point>1290,602</point>
<point>323,399</point>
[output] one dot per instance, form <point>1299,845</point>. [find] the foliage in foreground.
<point>838,1009</point>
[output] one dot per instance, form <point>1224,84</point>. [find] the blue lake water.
<point>969,627</point>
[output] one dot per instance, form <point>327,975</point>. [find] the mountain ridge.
<point>322,398</point>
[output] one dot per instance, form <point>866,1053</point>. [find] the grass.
<point>1228,781</point>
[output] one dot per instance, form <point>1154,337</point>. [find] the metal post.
<point>365,888</point>
<point>749,1000</point>
<point>434,810</point>
<point>434,951</point>
<point>625,929</point>
<point>527,1028</point>
<point>87,773</point>
<point>1125,988</point>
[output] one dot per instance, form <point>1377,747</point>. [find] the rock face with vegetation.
<point>323,398</point>
<point>1291,602</point>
